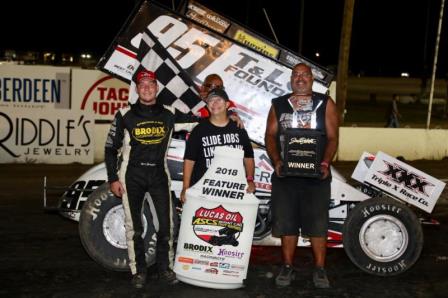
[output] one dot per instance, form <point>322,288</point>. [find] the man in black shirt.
<point>141,133</point>
<point>301,204</point>
<point>217,130</point>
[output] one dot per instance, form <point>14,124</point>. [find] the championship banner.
<point>217,225</point>
<point>251,78</point>
<point>45,137</point>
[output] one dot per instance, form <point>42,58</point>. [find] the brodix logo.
<point>153,133</point>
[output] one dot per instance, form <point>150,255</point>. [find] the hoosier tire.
<point>102,232</point>
<point>382,237</point>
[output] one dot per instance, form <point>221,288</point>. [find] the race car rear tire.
<point>382,237</point>
<point>102,232</point>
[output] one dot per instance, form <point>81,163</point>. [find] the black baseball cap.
<point>218,93</point>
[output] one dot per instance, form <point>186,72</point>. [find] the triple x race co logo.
<point>410,180</point>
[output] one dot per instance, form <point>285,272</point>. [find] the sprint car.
<point>374,222</point>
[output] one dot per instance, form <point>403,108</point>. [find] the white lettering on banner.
<point>250,70</point>
<point>300,165</point>
<point>167,29</point>
<point>252,79</point>
<point>189,48</point>
<point>30,90</point>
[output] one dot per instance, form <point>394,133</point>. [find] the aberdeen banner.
<point>34,87</point>
<point>253,69</point>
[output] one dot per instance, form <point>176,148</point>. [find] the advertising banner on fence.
<point>98,93</point>
<point>34,87</point>
<point>45,137</point>
<point>251,78</point>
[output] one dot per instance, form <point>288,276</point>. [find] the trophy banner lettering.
<point>302,152</point>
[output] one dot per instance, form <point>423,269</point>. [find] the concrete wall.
<point>101,131</point>
<point>410,143</point>
<point>382,88</point>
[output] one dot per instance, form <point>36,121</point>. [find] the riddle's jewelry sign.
<point>302,152</point>
<point>45,137</point>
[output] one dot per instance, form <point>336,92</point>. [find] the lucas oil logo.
<point>149,132</point>
<point>217,226</point>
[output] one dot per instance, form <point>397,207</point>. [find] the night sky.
<point>389,36</point>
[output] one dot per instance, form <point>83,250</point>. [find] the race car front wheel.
<point>102,231</point>
<point>382,237</point>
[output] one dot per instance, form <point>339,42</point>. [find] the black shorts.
<point>300,206</point>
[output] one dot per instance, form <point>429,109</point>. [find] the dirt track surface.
<point>42,256</point>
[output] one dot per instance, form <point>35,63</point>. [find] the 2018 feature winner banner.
<point>217,225</point>
<point>251,79</point>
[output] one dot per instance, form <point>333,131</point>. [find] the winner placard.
<point>302,152</point>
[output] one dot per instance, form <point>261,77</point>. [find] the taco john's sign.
<point>98,92</point>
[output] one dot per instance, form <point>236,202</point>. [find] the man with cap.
<point>141,133</point>
<point>211,82</point>
<point>217,130</point>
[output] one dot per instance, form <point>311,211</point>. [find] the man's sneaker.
<point>168,276</point>
<point>320,278</point>
<point>139,280</point>
<point>285,276</point>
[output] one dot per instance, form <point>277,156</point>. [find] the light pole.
<point>434,67</point>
